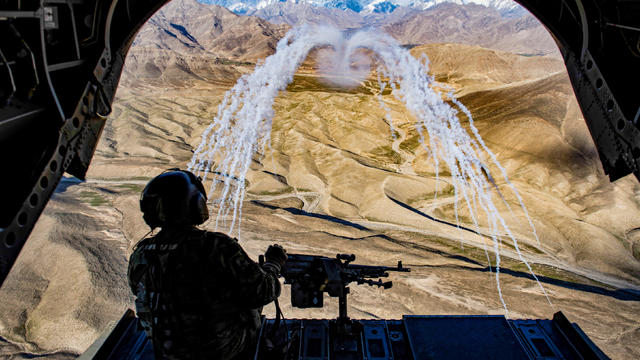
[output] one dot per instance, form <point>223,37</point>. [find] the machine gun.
<point>310,276</point>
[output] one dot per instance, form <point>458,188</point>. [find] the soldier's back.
<point>192,293</point>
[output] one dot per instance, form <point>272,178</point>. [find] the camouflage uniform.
<point>199,296</point>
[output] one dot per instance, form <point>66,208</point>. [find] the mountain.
<point>446,22</point>
<point>188,26</point>
<point>189,40</point>
<point>473,25</point>
<point>507,7</point>
<point>199,29</point>
<point>301,13</point>
<point>384,7</point>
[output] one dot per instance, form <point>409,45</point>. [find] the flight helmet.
<point>175,197</point>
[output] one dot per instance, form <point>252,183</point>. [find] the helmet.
<point>175,197</point>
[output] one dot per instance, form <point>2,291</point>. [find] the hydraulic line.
<point>13,82</point>
<point>33,59</point>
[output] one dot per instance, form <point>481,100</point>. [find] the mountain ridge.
<point>188,26</point>
<point>506,7</point>
<point>196,27</point>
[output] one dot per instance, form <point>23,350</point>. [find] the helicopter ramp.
<point>413,337</point>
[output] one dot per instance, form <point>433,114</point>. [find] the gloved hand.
<point>275,255</point>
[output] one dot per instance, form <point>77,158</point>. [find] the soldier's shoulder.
<point>219,237</point>
<point>137,256</point>
<point>142,243</point>
<point>211,241</point>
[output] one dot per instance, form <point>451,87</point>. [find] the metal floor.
<point>412,337</point>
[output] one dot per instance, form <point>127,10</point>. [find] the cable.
<point>33,59</point>
<point>100,95</point>
<point>272,344</point>
<point>13,82</point>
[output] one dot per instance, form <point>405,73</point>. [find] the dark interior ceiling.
<point>60,63</point>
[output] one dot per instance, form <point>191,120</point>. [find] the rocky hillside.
<point>187,26</point>
<point>474,25</point>
<point>186,40</point>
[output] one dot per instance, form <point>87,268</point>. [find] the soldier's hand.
<point>276,254</point>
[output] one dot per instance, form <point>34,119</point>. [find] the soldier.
<point>198,294</point>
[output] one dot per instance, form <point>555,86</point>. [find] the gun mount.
<point>310,276</point>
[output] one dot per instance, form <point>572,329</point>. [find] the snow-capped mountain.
<point>363,6</point>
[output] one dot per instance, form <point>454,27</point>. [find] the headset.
<point>175,197</point>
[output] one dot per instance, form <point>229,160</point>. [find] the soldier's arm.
<point>254,286</point>
<point>134,272</point>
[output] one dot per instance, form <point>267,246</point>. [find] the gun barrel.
<point>378,268</point>
<point>298,264</point>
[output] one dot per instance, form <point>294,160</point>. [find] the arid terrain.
<point>337,180</point>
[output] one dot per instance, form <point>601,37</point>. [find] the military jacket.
<point>198,294</point>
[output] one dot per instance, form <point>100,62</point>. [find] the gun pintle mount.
<point>310,276</point>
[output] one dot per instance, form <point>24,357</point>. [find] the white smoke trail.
<point>242,126</point>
